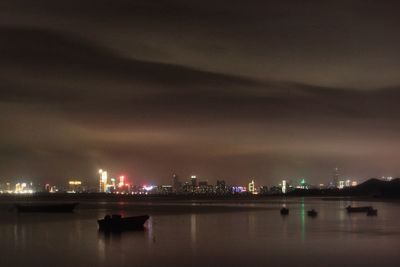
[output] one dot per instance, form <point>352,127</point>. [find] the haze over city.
<point>199,133</point>
<point>271,90</point>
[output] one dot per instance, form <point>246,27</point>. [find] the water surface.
<point>206,234</point>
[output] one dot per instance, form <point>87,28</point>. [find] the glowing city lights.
<point>284,187</point>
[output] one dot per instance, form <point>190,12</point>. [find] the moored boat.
<point>46,207</point>
<point>117,223</point>
<point>312,213</point>
<point>284,211</point>
<point>372,212</point>
<point>358,209</point>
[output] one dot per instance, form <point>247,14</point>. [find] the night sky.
<point>221,89</point>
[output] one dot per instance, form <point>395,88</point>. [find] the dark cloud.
<point>226,90</point>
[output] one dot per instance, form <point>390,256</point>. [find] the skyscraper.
<point>335,179</point>
<point>284,184</point>
<point>252,187</point>
<point>193,179</point>
<point>176,184</point>
<point>221,187</point>
<point>102,181</point>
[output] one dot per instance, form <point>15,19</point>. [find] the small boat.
<point>358,209</point>
<point>46,207</point>
<point>372,212</point>
<point>312,213</point>
<point>116,223</point>
<point>284,211</point>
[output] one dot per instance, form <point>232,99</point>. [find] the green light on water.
<point>303,219</point>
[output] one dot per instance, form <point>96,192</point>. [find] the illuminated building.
<point>18,188</point>
<point>23,188</point>
<point>101,186</point>
<point>75,186</point>
<point>164,189</point>
<point>53,189</point>
<point>335,179</point>
<point>187,187</point>
<point>102,181</point>
<point>113,183</point>
<point>205,188</point>
<point>121,181</point>
<point>264,190</point>
<point>284,186</point>
<point>252,187</point>
<point>177,185</point>
<point>389,178</point>
<point>341,184</point>
<point>193,180</point>
<point>238,189</point>
<point>148,189</point>
<point>303,184</point>
<point>221,187</point>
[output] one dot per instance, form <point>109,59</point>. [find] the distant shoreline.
<point>181,198</point>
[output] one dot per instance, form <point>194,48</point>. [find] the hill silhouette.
<point>378,188</point>
<point>371,188</point>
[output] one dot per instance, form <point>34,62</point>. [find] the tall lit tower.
<point>252,187</point>
<point>175,182</point>
<point>193,179</point>
<point>284,187</point>
<point>335,180</point>
<point>102,181</point>
<point>121,181</point>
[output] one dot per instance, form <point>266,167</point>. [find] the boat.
<point>372,212</point>
<point>46,207</point>
<point>117,223</point>
<point>358,209</point>
<point>312,213</point>
<point>284,211</point>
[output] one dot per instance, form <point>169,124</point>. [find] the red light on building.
<point>121,181</point>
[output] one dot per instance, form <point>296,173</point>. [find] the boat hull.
<point>284,211</point>
<point>358,209</point>
<point>372,212</point>
<point>122,224</point>
<point>52,208</point>
<point>312,213</point>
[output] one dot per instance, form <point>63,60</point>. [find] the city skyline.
<point>191,185</point>
<point>263,90</point>
<point>106,178</point>
<point>199,133</point>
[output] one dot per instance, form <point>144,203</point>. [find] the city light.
<point>148,187</point>
<point>252,187</point>
<point>284,186</point>
<point>103,181</point>
<point>121,181</point>
<point>191,186</point>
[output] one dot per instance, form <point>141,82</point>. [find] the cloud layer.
<point>221,90</point>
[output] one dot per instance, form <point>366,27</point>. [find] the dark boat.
<point>359,209</point>
<point>46,207</point>
<point>116,223</point>
<point>312,213</point>
<point>284,211</point>
<point>372,212</point>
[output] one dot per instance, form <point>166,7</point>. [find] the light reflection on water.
<point>217,234</point>
<point>302,219</point>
